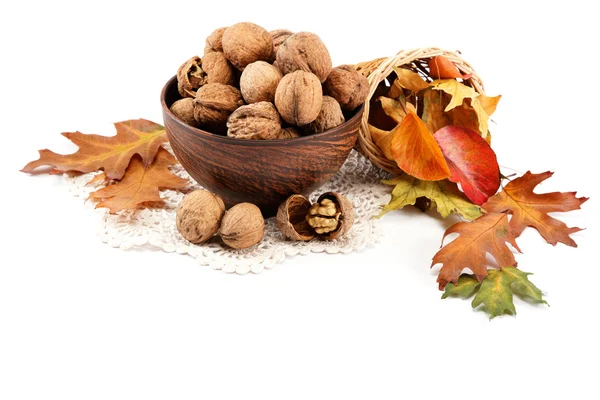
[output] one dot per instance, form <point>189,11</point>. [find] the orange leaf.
<point>416,152</point>
<point>487,234</point>
<point>442,68</point>
<point>434,116</point>
<point>110,153</point>
<point>531,209</point>
<point>140,184</point>
<point>489,103</point>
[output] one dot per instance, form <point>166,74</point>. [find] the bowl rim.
<point>200,132</point>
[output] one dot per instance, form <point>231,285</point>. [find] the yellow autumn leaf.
<point>383,140</point>
<point>489,103</point>
<point>457,90</point>
<point>394,109</point>
<point>410,80</point>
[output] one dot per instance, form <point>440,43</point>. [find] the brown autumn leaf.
<point>383,140</point>
<point>394,109</point>
<point>416,151</point>
<point>140,185</point>
<point>434,116</point>
<point>487,234</point>
<point>442,68</point>
<point>531,209</point>
<point>109,153</point>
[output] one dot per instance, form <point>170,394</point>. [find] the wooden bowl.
<point>262,172</point>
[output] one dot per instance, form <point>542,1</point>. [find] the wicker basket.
<point>378,70</point>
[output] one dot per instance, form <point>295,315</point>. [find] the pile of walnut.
<point>201,215</point>
<point>249,80</point>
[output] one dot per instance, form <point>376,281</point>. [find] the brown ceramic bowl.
<point>262,172</point>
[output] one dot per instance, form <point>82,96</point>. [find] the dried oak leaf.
<point>487,234</point>
<point>531,209</point>
<point>496,291</point>
<point>140,185</point>
<point>443,194</point>
<point>110,153</point>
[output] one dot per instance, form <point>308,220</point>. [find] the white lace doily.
<point>358,180</point>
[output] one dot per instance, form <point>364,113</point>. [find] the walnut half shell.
<point>291,218</point>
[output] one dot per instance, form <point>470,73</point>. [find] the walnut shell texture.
<point>306,52</point>
<point>190,77</point>
<point>291,218</point>
<point>214,41</point>
<point>348,86</point>
<point>299,98</point>
<point>214,103</point>
<point>245,42</point>
<point>255,121</point>
<point>259,82</point>
<point>346,218</point>
<point>199,216</point>
<point>217,69</point>
<point>289,133</point>
<point>331,115</point>
<point>184,110</point>
<point>279,36</point>
<point>242,226</point>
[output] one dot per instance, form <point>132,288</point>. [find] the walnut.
<point>199,216</point>
<point>330,116</point>
<point>291,218</point>
<point>214,103</point>
<point>259,82</point>
<point>349,87</point>
<point>279,36</point>
<point>329,218</point>
<point>299,97</point>
<point>214,42</point>
<point>242,226</point>
<point>254,121</point>
<point>306,52</point>
<point>184,110</point>
<point>289,133</point>
<point>245,42</point>
<point>196,72</point>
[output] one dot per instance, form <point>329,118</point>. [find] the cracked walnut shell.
<point>242,226</point>
<point>331,216</point>
<point>299,97</point>
<point>348,86</point>
<point>254,121</point>
<point>199,216</point>
<point>291,218</point>
<point>245,42</point>
<point>214,103</point>
<point>306,52</point>
<point>196,72</point>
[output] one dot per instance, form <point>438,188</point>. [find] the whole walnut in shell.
<point>214,103</point>
<point>242,226</point>
<point>184,110</point>
<point>245,42</point>
<point>289,133</point>
<point>306,52</point>
<point>330,116</point>
<point>259,82</point>
<point>196,72</point>
<point>299,97</point>
<point>348,86</point>
<point>279,36</point>
<point>254,121</point>
<point>214,42</point>
<point>199,216</point>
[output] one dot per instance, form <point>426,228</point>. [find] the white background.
<point>80,320</point>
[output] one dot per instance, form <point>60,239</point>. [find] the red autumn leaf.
<point>442,68</point>
<point>531,209</point>
<point>487,234</point>
<point>471,160</point>
<point>110,153</point>
<point>140,185</point>
<point>416,152</point>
